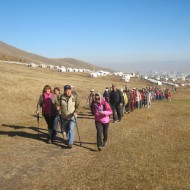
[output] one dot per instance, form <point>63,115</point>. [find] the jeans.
<point>56,123</point>
<point>101,128</point>
<point>68,126</point>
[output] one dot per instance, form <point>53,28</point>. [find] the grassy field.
<point>149,149</point>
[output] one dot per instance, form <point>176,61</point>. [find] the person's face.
<point>57,92</point>
<point>97,99</point>
<point>114,88</point>
<point>68,92</point>
<point>48,91</point>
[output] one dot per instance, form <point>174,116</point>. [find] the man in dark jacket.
<point>116,102</point>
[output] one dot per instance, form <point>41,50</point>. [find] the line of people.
<point>116,102</point>
<point>63,108</point>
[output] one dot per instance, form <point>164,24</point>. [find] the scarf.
<point>47,103</point>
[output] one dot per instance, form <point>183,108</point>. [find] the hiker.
<point>137,99</point>
<point>168,95</point>
<point>132,99</point>
<point>149,99</point>
<point>124,101</point>
<point>73,91</point>
<point>102,111</point>
<point>49,111</point>
<point>116,102</point>
<point>55,98</point>
<point>128,105</point>
<point>90,99</point>
<point>106,94</point>
<point>69,105</point>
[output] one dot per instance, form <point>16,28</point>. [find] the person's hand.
<point>58,107</point>
<point>38,113</point>
<point>100,112</point>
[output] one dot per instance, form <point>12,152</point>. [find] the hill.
<point>10,53</point>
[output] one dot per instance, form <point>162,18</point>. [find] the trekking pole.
<point>77,130</point>
<point>38,120</point>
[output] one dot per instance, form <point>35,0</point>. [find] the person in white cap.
<point>90,99</point>
<point>73,91</point>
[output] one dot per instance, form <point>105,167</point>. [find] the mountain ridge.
<point>11,53</point>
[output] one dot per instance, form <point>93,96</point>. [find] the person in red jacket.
<point>168,95</point>
<point>132,100</point>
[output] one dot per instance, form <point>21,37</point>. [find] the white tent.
<point>50,66</point>
<point>62,69</point>
<point>42,66</point>
<point>93,75</point>
<point>32,65</point>
<point>75,70</point>
<point>69,70</point>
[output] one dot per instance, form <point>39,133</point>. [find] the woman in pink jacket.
<point>102,111</point>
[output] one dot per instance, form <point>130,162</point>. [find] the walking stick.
<point>77,130</point>
<point>38,121</point>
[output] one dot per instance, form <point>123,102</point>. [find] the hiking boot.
<point>99,148</point>
<point>104,143</point>
<point>49,141</point>
<point>64,136</point>
<point>69,146</point>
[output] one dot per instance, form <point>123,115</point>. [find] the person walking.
<point>124,101</point>
<point>57,120</point>
<point>74,93</point>
<point>90,100</point>
<point>149,99</point>
<point>128,105</point>
<point>49,111</point>
<point>106,94</point>
<point>102,111</point>
<point>69,105</point>
<point>116,103</point>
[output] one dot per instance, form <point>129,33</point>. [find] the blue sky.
<point>126,34</point>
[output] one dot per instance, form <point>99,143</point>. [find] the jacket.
<point>115,97</point>
<point>53,105</point>
<point>125,99</point>
<point>102,111</point>
<point>68,105</point>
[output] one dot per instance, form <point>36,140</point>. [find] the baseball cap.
<point>67,87</point>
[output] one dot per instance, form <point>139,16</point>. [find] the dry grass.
<point>149,149</point>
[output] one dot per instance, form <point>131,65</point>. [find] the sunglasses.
<point>97,98</point>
